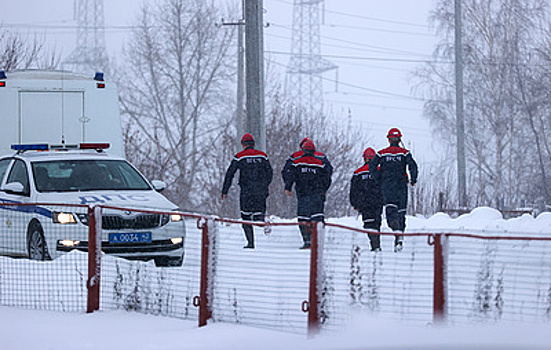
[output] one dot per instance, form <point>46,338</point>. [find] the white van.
<point>55,107</point>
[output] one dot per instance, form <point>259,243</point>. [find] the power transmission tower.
<point>304,72</point>
<point>90,53</point>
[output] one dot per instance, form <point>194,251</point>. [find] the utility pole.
<point>459,116</point>
<point>254,49</point>
<point>239,110</point>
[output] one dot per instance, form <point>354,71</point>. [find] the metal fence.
<point>453,277</point>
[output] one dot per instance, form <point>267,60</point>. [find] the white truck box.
<point>53,106</point>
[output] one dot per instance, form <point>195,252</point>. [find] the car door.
<point>17,217</point>
<point>4,247</point>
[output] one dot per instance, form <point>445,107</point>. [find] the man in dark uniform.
<point>365,197</point>
<point>392,162</point>
<point>311,176</point>
<point>255,176</point>
<point>289,162</point>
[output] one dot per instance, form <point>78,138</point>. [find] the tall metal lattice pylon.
<point>90,53</point>
<point>304,83</point>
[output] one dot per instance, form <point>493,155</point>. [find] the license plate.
<point>130,237</point>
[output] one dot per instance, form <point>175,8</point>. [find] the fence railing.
<point>453,277</point>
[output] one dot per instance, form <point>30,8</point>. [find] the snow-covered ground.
<point>117,329</point>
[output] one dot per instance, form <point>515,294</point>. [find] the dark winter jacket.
<point>311,175</point>
<point>392,162</point>
<point>289,163</point>
<point>255,172</point>
<point>365,189</point>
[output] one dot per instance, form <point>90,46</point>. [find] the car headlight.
<point>63,218</point>
<point>175,217</point>
<point>69,243</point>
<point>176,240</point>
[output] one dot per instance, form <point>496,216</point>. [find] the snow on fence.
<point>454,277</point>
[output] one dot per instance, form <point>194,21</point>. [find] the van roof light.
<point>104,145</point>
<point>30,147</point>
<point>98,76</point>
<point>63,147</point>
<point>3,74</point>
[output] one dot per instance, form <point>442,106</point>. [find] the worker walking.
<point>255,176</point>
<point>392,162</point>
<point>312,177</point>
<point>365,197</point>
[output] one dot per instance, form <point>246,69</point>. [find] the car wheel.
<point>169,261</point>
<point>37,244</point>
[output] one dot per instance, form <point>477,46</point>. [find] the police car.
<point>84,175</point>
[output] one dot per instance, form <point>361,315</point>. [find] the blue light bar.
<point>98,76</point>
<point>30,147</point>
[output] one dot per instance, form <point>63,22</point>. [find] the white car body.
<point>160,236</point>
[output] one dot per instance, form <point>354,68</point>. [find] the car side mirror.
<point>15,188</point>
<point>159,186</point>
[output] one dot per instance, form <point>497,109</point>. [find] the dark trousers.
<point>395,199</point>
<point>371,218</point>
<point>309,208</point>
<point>253,208</point>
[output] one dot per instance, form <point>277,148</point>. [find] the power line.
<point>361,45</point>
<point>362,58</point>
<point>365,17</point>
<point>379,92</point>
<point>377,29</point>
<point>70,26</point>
<point>372,105</point>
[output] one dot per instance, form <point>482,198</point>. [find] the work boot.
<point>305,232</point>
<point>375,241</point>
<point>249,235</point>
<point>398,243</point>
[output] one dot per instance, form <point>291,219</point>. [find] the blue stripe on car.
<point>25,208</point>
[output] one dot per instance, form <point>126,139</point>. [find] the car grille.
<point>139,221</point>
<point>142,221</point>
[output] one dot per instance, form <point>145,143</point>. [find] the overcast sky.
<point>376,45</point>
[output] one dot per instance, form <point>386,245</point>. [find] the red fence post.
<point>313,299</point>
<point>94,258</point>
<point>204,303</point>
<point>439,295</point>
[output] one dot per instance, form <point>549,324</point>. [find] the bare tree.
<point>499,36</point>
<point>342,143</point>
<point>174,97</point>
<point>20,52</point>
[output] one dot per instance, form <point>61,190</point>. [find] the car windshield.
<point>86,175</point>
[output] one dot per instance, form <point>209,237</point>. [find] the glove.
<point>412,183</point>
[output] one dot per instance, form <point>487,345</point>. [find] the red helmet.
<point>247,138</point>
<point>369,153</point>
<point>394,133</point>
<point>303,141</point>
<point>308,145</point>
